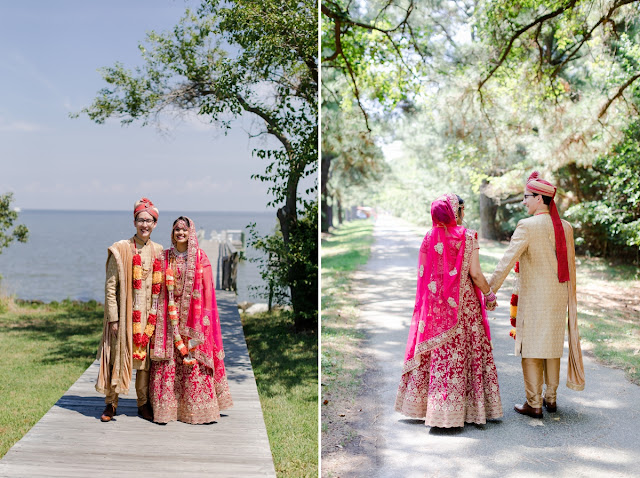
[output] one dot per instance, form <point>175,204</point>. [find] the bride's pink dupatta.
<point>444,259</point>
<point>199,320</point>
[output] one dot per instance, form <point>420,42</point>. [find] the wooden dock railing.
<point>223,250</point>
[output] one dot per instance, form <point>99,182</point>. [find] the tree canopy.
<point>480,93</point>
<point>225,60</point>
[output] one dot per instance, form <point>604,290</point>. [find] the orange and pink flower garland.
<point>140,337</point>
<point>513,309</point>
<point>172,310</point>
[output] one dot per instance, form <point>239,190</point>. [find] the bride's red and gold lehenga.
<point>449,376</point>
<point>188,381</point>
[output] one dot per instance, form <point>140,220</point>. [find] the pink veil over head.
<point>441,265</point>
<point>199,322</point>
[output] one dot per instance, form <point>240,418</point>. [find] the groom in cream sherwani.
<point>543,243</point>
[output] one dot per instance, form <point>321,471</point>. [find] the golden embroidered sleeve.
<point>111,287</point>
<point>517,245</point>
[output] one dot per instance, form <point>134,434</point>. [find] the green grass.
<point>608,327</point>
<point>285,365</point>
<point>606,321</point>
<point>342,253</point>
<point>615,339</point>
<point>43,350</point>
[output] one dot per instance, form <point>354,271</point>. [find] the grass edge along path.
<point>285,365</point>
<point>44,348</point>
<point>346,249</point>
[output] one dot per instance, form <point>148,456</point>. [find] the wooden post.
<point>270,286</point>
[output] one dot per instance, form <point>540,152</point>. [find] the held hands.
<point>114,328</point>
<point>490,300</point>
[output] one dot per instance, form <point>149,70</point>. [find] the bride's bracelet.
<point>490,296</point>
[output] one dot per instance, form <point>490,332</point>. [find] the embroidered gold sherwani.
<point>115,353</point>
<point>148,252</point>
<point>543,301</point>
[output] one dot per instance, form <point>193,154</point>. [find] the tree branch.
<point>576,48</point>
<point>518,33</point>
<point>354,82</point>
<point>621,89</point>
<point>336,34</point>
<point>344,18</point>
<point>272,125</point>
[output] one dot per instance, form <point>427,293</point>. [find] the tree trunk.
<point>340,218</point>
<point>488,210</point>
<point>325,214</point>
<point>304,298</point>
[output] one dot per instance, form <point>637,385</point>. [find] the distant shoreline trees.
<point>8,217</point>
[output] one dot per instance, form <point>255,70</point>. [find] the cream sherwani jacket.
<point>542,300</point>
<point>112,287</point>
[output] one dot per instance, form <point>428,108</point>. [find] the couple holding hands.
<point>449,376</point>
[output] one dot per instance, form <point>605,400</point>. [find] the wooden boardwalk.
<point>70,440</point>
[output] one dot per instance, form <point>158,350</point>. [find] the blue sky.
<point>50,53</point>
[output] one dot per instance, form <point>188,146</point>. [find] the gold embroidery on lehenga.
<point>421,270</point>
<point>452,302</point>
<point>434,361</point>
<point>439,247</point>
<point>453,272</point>
<point>432,286</point>
<point>421,326</point>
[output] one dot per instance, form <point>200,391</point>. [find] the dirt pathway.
<point>594,433</point>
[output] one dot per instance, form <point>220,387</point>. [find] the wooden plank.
<point>70,440</point>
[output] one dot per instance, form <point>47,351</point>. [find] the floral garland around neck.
<point>141,337</point>
<point>513,309</point>
<point>172,309</point>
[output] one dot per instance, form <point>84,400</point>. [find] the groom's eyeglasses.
<point>529,196</point>
<point>148,222</point>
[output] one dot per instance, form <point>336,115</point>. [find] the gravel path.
<point>595,432</point>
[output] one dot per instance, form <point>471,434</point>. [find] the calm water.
<point>67,250</point>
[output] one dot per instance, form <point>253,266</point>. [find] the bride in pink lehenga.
<point>188,381</point>
<point>449,376</point>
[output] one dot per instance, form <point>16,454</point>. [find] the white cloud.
<point>19,126</point>
<point>208,184</point>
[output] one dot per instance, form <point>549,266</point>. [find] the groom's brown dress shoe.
<point>108,414</point>
<point>146,412</point>
<point>528,410</point>
<point>550,406</point>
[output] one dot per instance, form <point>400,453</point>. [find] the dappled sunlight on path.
<point>594,432</point>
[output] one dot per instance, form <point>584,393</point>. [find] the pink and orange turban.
<point>545,188</point>
<point>145,205</point>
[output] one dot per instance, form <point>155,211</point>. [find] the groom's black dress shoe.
<point>108,413</point>
<point>550,406</point>
<point>146,412</point>
<point>528,410</point>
